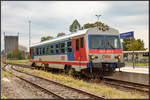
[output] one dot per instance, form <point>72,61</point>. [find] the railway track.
<point>54,95</point>
<point>127,85</point>
<point>55,88</point>
<point>113,82</point>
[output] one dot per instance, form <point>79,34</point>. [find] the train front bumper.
<point>106,64</point>
<point>102,69</point>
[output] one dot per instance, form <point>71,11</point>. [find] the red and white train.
<point>95,51</point>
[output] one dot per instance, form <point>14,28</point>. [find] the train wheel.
<point>33,65</point>
<point>67,68</point>
<point>72,72</point>
<point>69,71</point>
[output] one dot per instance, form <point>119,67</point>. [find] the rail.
<point>54,82</point>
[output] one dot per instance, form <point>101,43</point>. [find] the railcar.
<point>94,51</point>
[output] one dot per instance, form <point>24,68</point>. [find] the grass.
<point>69,80</point>
<point>97,89</point>
<point>3,97</point>
<point>18,61</point>
<point>22,75</point>
<point>140,64</point>
<point>5,74</point>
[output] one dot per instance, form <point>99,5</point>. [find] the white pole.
<point>29,34</point>
<point>133,49</point>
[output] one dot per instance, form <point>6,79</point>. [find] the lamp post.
<point>98,16</point>
<point>29,33</point>
<point>133,49</point>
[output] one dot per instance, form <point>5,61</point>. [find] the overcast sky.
<point>51,17</point>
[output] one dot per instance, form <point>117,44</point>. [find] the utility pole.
<point>4,42</point>
<point>29,34</point>
<point>98,16</point>
<point>133,49</point>
<point>18,41</point>
<point>18,34</point>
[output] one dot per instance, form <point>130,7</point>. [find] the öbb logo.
<point>106,56</point>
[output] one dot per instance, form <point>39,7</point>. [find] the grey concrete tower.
<point>10,42</point>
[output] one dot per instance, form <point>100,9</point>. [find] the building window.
<point>52,49</point>
<point>62,47</point>
<point>57,49</point>
<point>47,49</point>
<point>69,47</point>
<point>77,45</point>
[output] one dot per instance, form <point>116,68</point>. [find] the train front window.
<point>112,42</point>
<point>104,42</point>
<point>96,42</point>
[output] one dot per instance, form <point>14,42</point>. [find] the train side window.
<point>81,42</point>
<point>34,51</point>
<point>62,47</point>
<point>40,51</point>
<point>65,47</point>
<point>43,50</point>
<point>37,53</point>
<point>57,49</point>
<point>69,47</point>
<point>47,50</point>
<point>77,45</point>
<point>52,50</point>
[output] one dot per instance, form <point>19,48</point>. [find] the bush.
<point>9,55</point>
<point>16,54</point>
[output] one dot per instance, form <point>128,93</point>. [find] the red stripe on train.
<point>96,51</point>
<point>56,62</point>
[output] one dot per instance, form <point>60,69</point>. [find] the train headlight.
<point>93,57</point>
<point>118,57</point>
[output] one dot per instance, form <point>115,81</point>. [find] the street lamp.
<point>98,16</point>
<point>29,33</point>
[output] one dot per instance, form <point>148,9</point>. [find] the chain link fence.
<point>141,58</point>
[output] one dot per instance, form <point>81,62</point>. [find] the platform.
<point>130,74</point>
<point>134,70</point>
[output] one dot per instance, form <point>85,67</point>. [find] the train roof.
<point>78,33</point>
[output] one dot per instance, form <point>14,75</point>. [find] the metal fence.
<point>140,57</point>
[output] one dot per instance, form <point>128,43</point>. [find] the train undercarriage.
<point>97,70</point>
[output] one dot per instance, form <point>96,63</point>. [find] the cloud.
<point>50,18</point>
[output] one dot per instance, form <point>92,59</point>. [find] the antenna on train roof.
<point>98,16</point>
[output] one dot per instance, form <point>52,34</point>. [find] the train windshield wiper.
<point>111,45</point>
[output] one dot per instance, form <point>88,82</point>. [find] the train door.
<point>79,49</point>
<point>31,53</point>
<point>30,57</point>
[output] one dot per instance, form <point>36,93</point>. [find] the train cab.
<point>104,49</point>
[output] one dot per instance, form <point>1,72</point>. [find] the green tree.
<point>16,54</point>
<point>44,38</point>
<point>96,24</point>
<point>128,44</point>
<point>60,34</point>
<point>88,25</point>
<point>74,26</point>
